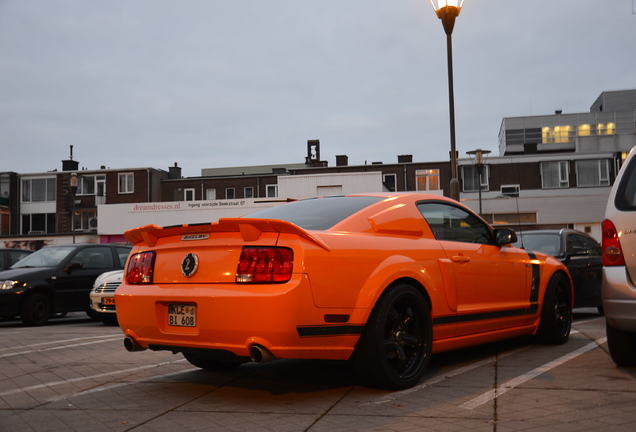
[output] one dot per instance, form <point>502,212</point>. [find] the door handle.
<point>460,259</point>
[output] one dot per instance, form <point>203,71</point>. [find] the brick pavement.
<point>82,387</point>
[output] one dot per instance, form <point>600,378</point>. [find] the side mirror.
<point>73,266</point>
<point>504,236</point>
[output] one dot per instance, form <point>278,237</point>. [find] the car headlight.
<point>9,284</point>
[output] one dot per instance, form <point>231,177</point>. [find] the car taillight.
<point>140,268</point>
<point>265,264</point>
<point>612,252</point>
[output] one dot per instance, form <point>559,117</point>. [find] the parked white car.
<point>103,296</point>
<point>619,265</point>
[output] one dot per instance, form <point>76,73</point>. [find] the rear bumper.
<point>619,298</point>
<point>234,317</point>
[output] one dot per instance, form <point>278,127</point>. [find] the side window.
<point>575,244</point>
<point>94,258</point>
<point>15,256</point>
<point>454,224</point>
<point>122,253</point>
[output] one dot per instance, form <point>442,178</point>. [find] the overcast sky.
<point>211,83</point>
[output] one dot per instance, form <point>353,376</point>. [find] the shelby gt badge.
<point>189,264</point>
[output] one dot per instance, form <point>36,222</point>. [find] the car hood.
<point>27,274</point>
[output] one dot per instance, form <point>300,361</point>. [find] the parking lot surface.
<point>75,375</point>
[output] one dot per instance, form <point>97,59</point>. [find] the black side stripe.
<point>454,319</point>
<point>330,330</point>
<point>536,279</point>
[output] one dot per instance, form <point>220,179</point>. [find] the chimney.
<point>376,163</point>
<point>558,112</point>
<point>69,164</point>
<point>342,160</point>
<point>313,154</point>
<point>174,172</point>
<point>405,158</point>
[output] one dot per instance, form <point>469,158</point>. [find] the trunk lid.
<point>216,247</point>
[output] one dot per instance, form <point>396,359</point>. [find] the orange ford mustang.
<point>384,279</point>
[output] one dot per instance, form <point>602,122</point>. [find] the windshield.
<point>317,213</point>
<point>46,257</point>
<point>546,243</point>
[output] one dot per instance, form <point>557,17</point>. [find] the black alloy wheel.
<point>395,347</point>
<point>36,309</point>
<point>556,317</point>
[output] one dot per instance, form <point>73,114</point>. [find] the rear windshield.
<point>549,244</point>
<point>317,213</point>
<point>626,193</point>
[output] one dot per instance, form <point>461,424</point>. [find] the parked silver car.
<point>103,296</point>
<point>619,265</point>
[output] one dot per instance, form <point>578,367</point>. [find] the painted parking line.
<point>58,341</point>
<point>118,385</point>
<point>450,374</point>
<point>78,379</point>
<point>515,382</point>
<point>111,339</point>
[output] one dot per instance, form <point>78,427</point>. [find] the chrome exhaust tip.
<point>131,345</point>
<point>260,354</point>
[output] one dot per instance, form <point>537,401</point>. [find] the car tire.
<point>395,346</point>
<point>556,315</point>
<point>212,361</point>
<point>36,309</point>
<point>622,346</point>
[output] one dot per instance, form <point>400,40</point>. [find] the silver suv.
<point>619,265</point>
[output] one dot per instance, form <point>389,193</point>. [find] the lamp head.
<point>447,11</point>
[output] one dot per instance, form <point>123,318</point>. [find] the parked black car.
<point>56,279</point>
<point>580,253</point>
<point>8,257</point>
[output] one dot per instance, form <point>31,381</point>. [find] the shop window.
<point>229,193</point>
<point>38,223</point>
<point>248,192</point>
<point>210,194</point>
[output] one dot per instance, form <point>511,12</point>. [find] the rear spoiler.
<point>249,228</point>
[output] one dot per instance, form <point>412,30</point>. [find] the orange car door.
<point>491,283</point>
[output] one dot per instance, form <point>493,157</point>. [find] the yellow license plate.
<point>108,301</point>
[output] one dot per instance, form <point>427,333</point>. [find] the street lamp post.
<point>479,164</point>
<point>448,11</point>
<point>73,184</point>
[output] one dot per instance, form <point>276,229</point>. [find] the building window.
<point>584,130</point>
<point>510,218</point>
<point>248,192</point>
<point>272,191</point>
<point>100,185</point>
<point>229,193</point>
<point>38,223</point>
<point>38,190</point>
<point>555,175</point>
<point>470,178</point>
<point>210,194</point>
<point>606,128</point>
<point>126,183</point>
<point>426,180</point>
<point>188,194</point>
<point>85,220</point>
<point>389,181</point>
<point>557,134</point>
<point>86,185</point>
<point>592,173</point>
